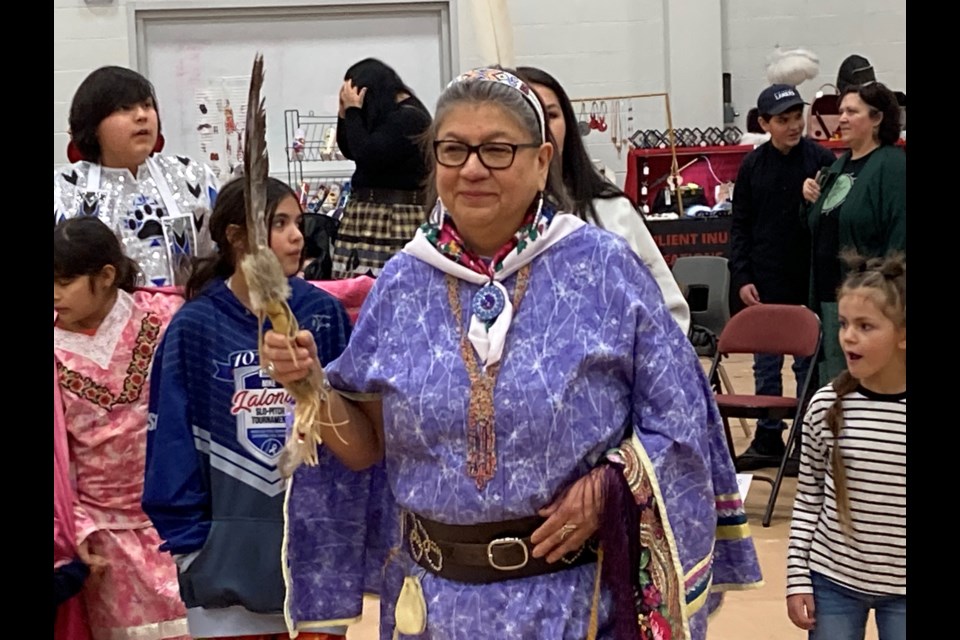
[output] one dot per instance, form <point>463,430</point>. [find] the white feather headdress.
<point>792,67</point>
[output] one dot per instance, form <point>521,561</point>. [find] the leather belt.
<point>387,196</point>
<point>483,553</point>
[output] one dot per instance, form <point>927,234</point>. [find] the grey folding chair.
<point>706,283</point>
<point>706,280</point>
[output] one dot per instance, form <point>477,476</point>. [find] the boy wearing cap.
<point>769,245</point>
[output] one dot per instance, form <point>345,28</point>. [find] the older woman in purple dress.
<point>550,437</point>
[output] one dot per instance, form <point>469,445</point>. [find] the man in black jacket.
<point>769,245</point>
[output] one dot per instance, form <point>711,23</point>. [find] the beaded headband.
<point>487,74</point>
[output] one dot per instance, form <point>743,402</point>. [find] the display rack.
<point>311,148</point>
<point>628,138</point>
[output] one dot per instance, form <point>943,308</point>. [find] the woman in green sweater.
<point>859,203</point>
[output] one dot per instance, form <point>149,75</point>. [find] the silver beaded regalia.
<point>160,240</point>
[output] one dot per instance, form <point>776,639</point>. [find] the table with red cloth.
<point>713,166</point>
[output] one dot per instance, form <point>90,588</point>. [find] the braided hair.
<point>885,281</point>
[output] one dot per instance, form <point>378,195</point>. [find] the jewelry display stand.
<point>603,119</point>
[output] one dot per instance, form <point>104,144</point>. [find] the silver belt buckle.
<point>506,542</point>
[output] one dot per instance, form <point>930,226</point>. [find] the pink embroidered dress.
<point>70,622</point>
<point>104,390</point>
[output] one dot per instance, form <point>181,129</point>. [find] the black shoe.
<point>792,468</point>
<point>751,460</point>
<point>766,451</point>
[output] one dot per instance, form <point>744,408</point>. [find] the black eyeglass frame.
<point>477,149</point>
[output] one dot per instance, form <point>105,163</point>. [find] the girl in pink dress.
<point>69,621</point>
<point>105,332</point>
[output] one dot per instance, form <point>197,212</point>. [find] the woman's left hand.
<point>571,520</point>
<point>350,96</point>
<point>811,189</point>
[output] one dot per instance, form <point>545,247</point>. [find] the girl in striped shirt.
<point>847,552</point>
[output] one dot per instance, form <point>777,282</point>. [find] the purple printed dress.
<point>593,366</point>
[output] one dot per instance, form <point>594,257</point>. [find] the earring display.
<point>688,138</point>
<point>655,178</point>
<point>710,137</point>
<point>653,139</point>
<point>732,136</point>
<point>700,138</point>
<point>713,136</point>
<point>583,125</point>
<point>616,134</point>
<point>644,187</point>
<point>602,117</point>
<point>681,179</point>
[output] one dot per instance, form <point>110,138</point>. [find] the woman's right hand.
<point>749,295</point>
<point>801,609</point>
<point>571,519</point>
<point>811,189</point>
<point>350,96</point>
<point>278,351</point>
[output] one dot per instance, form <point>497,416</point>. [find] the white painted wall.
<point>875,29</point>
<point>693,62</point>
<point>596,47</point>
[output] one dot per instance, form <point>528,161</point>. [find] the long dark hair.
<point>880,100</point>
<point>103,92</point>
<point>580,176</point>
<point>83,246</point>
<point>230,208</point>
<point>383,85</point>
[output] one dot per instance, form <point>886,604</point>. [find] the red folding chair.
<point>776,329</point>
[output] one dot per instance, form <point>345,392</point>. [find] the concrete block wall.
<point>595,48</point>
<point>875,29</point>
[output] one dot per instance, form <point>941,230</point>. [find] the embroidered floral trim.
<point>448,242</point>
<point>84,387</point>
<point>481,432</point>
<point>661,597</point>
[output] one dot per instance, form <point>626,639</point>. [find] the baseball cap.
<point>778,98</point>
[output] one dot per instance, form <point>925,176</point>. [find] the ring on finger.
<point>270,369</point>
<point>566,530</point>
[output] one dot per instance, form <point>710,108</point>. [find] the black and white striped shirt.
<point>872,558</point>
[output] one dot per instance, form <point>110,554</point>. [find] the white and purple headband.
<point>487,74</point>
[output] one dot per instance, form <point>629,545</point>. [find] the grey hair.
<point>511,101</point>
<point>479,91</point>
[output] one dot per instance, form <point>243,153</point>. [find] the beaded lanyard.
<point>481,435</point>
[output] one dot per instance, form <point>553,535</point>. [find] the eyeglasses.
<point>492,155</point>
